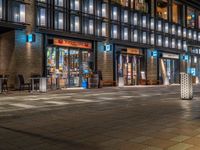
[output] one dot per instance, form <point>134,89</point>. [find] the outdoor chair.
<point>36,81</point>
<point>22,84</point>
<point>5,83</point>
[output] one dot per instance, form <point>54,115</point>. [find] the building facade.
<point>131,42</point>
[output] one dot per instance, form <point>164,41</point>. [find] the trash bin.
<point>85,84</point>
<point>186,86</point>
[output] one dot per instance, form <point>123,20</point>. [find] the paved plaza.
<point>129,118</point>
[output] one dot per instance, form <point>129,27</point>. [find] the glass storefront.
<point>129,68</point>
<point>66,66</point>
<point>169,71</point>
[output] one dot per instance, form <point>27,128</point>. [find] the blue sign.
<point>30,38</point>
<point>108,47</point>
<point>192,71</point>
<point>185,57</point>
<point>154,53</point>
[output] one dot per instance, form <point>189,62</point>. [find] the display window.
<point>190,17</point>
<point>162,9</point>
<point>66,66</point>
<point>177,12</point>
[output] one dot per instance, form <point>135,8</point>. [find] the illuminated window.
<point>141,5</point>
<point>173,43</point>
<point>75,4</point>
<point>124,33</point>
<point>159,40</point>
<point>185,45</point>
<point>194,35</point>
<point>162,9</point>
<point>179,31</point>
<point>177,13</point>
<point>144,21</point>
<point>41,18</point>
<point>104,29</point>
<point>58,20</point>
<point>190,34</point>
<point>114,14</point>
<point>1,9</point>
<point>134,19</point>
<point>75,23</point>
<point>59,3</point>
<point>124,16</point>
<point>166,44</point>
<point>134,35</point>
<point>159,25</point>
<point>18,12</point>
<point>184,32</point>
<point>88,6</point>
<point>102,9</point>
<point>114,31</point>
<point>144,37</point>
<point>179,44</point>
<point>190,17</point>
<point>173,29</point>
<point>166,27</point>
<point>152,39</point>
<point>88,26</point>
<point>152,24</point>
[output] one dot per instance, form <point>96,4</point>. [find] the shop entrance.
<point>66,66</point>
<point>169,71</point>
<point>129,68</point>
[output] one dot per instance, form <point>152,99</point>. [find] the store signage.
<point>70,43</point>
<point>108,47</point>
<point>168,55</point>
<point>30,38</point>
<point>154,53</point>
<point>133,51</point>
<point>192,71</point>
<point>185,57</point>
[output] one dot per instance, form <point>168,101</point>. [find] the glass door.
<point>74,67</point>
<point>63,67</point>
<point>130,70</point>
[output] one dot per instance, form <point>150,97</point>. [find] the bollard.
<point>186,87</point>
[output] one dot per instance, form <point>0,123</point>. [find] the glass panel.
<point>59,3</point>
<point>41,17</point>
<point>162,9</point>
<point>59,20</point>
<point>190,17</point>
<point>63,67</point>
<point>1,9</point>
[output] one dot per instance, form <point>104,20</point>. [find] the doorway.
<point>129,68</point>
<point>169,71</point>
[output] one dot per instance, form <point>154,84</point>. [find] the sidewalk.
<point>81,90</point>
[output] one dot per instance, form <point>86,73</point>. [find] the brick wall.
<point>105,62</point>
<point>19,57</point>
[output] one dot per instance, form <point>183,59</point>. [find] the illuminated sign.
<point>168,55</point>
<point>133,51</point>
<point>185,57</point>
<point>192,71</point>
<point>70,43</point>
<point>154,53</point>
<point>30,38</point>
<point>108,47</point>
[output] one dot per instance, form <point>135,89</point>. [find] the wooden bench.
<point>109,83</point>
<point>153,82</point>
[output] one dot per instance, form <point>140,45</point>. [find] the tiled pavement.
<point>103,119</point>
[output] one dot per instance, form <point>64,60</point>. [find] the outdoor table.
<point>1,82</point>
<point>42,84</point>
